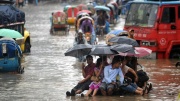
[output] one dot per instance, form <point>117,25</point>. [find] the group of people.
<point>122,75</point>
<point>109,79</point>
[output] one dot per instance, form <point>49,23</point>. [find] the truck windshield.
<point>143,15</point>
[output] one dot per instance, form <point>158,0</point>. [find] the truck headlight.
<point>149,43</point>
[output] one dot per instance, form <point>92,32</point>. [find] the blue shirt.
<point>110,74</point>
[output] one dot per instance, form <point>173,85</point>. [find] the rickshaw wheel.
<point>101,32</point>
<point>27,47</point>
<point>20,69</point>
<point>53,31</point>
<point>67,30</point>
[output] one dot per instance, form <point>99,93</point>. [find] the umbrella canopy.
<point>78,50</point>
<point>84,11</point>
<point>123,48</point>
<point>66,8</point>
<point>142,51</point>
<point>124,40</point>
<point>101,8</point>
<point>119,32</point>
<point>129,50</point>
<point>10,33</point>
<point>102,50</point>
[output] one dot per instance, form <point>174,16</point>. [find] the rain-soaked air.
<point>49,63</point>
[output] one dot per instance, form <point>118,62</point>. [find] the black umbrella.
<point>123,48</point>
<point>124,40</point>
<point>79,50</point>
<point>101,50</point>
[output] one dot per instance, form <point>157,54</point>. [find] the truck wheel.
<point>175,53</point>
<point>27,48</point>
<point>20,69</point>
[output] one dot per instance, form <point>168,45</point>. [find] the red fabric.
<point>89,69</point>
<point>72,12</point>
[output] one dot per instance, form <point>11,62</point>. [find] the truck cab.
<point>157,26</point>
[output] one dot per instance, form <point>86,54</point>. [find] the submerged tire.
<point>27,48</point>
<point>175,53</point>
<point>20,69</point>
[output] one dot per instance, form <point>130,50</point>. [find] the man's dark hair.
<point>89,56</point>
<point>116,59</point>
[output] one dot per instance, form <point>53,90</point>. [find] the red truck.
<point>156,26</point>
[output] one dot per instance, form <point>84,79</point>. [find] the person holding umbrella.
<point>96,78</point>
<point>87,72</point>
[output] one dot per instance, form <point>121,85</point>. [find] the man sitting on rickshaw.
<point>87,27</point>
<point>101,22</point>
<point>79,39</point>
<point>107,17</point>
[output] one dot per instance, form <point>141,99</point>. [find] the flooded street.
<point>49,74</point>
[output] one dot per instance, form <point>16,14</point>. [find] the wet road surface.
<point>49,74</point>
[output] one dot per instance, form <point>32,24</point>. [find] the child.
<point>98,71</point>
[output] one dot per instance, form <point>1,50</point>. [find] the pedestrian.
<point>87,72</point>
<point>36,1</point>
<point>131,33</point>
<point>20,3</point>
<point>107,17</point>
<point>51,21</point>
<point>111,71</point>
<point>100,22</point>
<point>96,78</point>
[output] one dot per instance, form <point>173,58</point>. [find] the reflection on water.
<point>49,74</point>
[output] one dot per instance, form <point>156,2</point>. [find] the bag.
<point>142,76</point>
<point>127,81</point>
<point>94,78</point>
